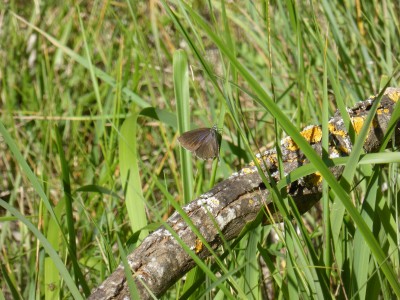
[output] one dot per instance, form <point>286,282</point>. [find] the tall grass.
<point>94,94</point>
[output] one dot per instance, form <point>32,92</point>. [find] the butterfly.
<point>202,142</point>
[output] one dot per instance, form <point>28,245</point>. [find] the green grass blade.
<point>69,215</point>
<point>251,276</point>
<point>181,88</point>
<point>134,294</point>
<point>130,175</point>
<point>10,283</point>
<point>52,276</point>
<point>28,172</point>
<point>73,289</point>
<point>362,255</point>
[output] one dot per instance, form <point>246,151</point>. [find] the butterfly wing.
<point>210,147</point>
<point>192,140</point>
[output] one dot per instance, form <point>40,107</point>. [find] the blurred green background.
<point>94,94</point>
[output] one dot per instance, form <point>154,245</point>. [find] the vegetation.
<point>94,95</point>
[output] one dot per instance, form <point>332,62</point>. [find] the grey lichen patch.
<point>205,195</point>
<point>235,174</point>
<point>180,226</point>
<point>209,205</point>
<point>226,217</point>
<point>160,232</point>
<point>193,206</point>
<point>253,183</point>
<point>334,153</point>
<point>154,265</point>
<point>347,143</point>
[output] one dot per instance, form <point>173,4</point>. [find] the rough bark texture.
<point>160,261</point>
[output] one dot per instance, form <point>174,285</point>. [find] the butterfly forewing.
<point>203,142</point>
<point>191,140</point>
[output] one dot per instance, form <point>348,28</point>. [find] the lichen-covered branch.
<point>160,260</point>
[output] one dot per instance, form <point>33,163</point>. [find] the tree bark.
<point>231,204</point>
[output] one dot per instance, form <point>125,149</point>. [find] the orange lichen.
<point>332,129</point>
<point>395,96</point>
<point>358,123</point>
<point>382,111</point>
<point>343,149</point>
<point>312,134</point>
<point>290,144</point>
<point>198,247</point>
<point>315,178</point>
